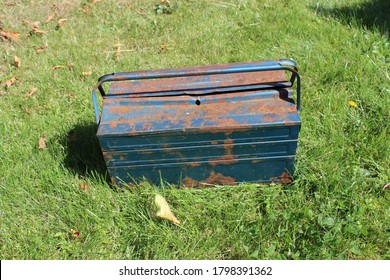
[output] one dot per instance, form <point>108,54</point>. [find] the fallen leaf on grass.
<point>58,67</point>
<point>164,211</point>
<point>42,142</point>
<point>10,35</point>
<point>32,23</point>
<point>75,233</point>
<point>86,74</point>
<point>31,92</point>
<point>386,186</point>
<point>28,111</point>
<point>84,187</point>
<point>163,47</point>
<point>17,61</point>
<point>71,95</point>
<point>285,178</point>
<point>60,22</point>
<point>117,51</point>
<point>35,30</point>
<point>49,18</point>
<point>352,103</point>
<point>85,10</point>
<point>10,82</point>
<point>41,49</point>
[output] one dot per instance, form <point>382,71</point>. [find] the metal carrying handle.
<point>268,65</point>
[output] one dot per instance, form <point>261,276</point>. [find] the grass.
<point>55,203</point>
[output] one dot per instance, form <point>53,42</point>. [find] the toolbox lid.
<point>206,102</point>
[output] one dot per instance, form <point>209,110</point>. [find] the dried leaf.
<point>17,61</point>
<point>386,186</point>
<point>10,82</point>
<point>37,31</point>
<point>163,47</point>
<point>164,211</point>
<point>285,178</point>
<point>117,51</point>
<point>58,67</point>
<point>85,10</point>
<point>71,95</point>
<point>32,23</point>
<point>84,187</point>
<point>42,142</point>
<point>352,103</point>
<point>60,22</point>
<point>86,74</point>
<point>41,49</point>
<point>75,233</point>
<point>28,111</point>
<point>31,92</point>
<point>49,18</point>
<point>10,35</point>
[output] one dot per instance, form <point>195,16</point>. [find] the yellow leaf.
<point>85,74</point>
<point>352,103</point>
<point>164,211</point>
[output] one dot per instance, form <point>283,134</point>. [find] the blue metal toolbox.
<point>195,126</point>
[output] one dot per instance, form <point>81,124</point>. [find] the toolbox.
<point>198,126</point>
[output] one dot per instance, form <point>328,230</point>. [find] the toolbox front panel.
<point>255,155</point>
<point>200,173</point>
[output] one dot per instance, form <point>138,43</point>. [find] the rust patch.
<point>219,179</point>
<point>228,158</point>
<point>113,124</point>
<point>213,179</point>
<point>214,142</point>
<point>189,182</point>
<point>147,126</point>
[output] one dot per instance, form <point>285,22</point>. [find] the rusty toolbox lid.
<point>206,98</point>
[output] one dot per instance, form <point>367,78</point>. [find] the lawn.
<point>55,201</point>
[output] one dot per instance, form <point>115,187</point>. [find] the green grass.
<point>335,209</point>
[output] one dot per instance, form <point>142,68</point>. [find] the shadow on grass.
<point>83,153</point>
<point>371,14</point>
